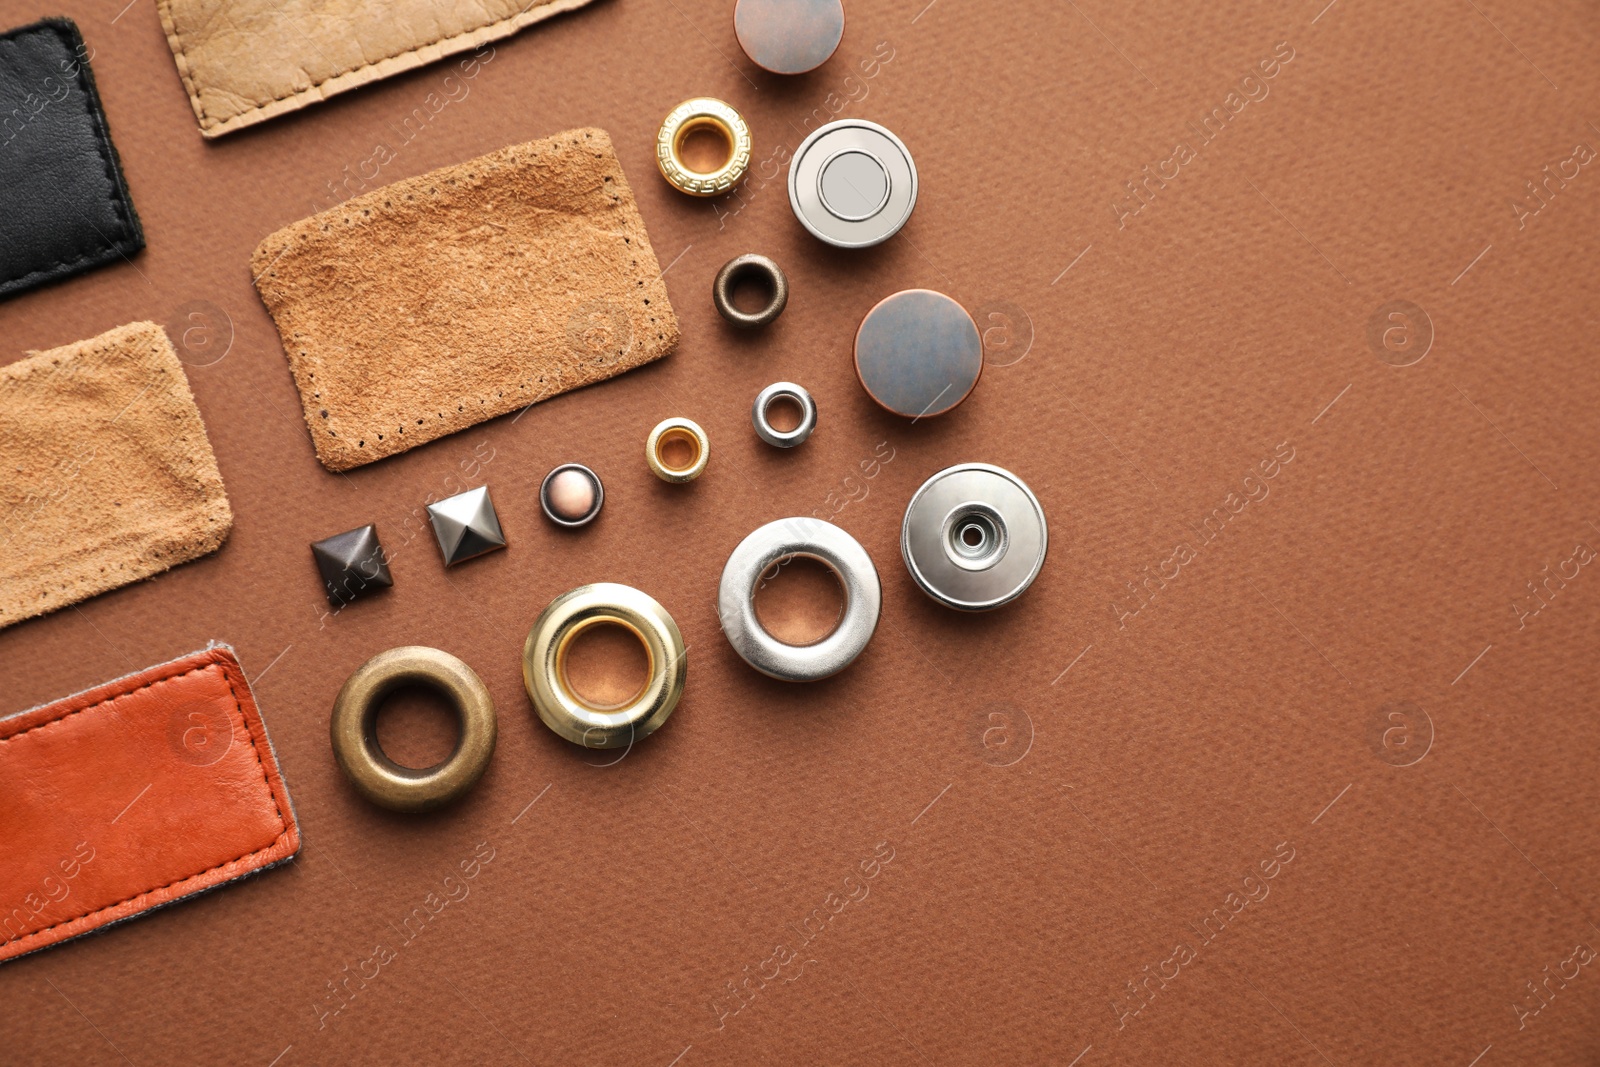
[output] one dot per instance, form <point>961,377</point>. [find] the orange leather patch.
<point>132,795</point>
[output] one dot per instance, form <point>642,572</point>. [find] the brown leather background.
<point>1043,858</point>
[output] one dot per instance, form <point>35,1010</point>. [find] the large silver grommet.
<point>830,546</point>
<point>772,394</point>
<point>974,537</point>
<point>852,183</point>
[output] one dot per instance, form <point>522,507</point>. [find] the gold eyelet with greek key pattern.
<point>700,113</point>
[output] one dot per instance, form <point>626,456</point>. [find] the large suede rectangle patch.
<point>106,476</point>
<point>432,304</point>
<point>246,61</point>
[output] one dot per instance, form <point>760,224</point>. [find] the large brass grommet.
<point>355,737</point>
<point>677,431</point>
<point>544,668</point>
<point>703,113</point>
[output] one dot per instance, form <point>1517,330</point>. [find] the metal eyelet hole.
<point>793,598</point>
<point>704,146</point>
<point>601,649</point>
<point>421,725</point>
<point>784,413</point>
<point>975,536</point>
<point>752,291</point>
<point>678,450</point>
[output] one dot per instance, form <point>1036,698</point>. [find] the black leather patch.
<point>64,206</point>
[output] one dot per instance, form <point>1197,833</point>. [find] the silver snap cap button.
<point>852,183</point>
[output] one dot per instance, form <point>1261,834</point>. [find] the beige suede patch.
<point>432,304</point>
<point>106,476</point>
<point>247,61</point>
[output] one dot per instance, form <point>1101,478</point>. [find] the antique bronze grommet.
<point>691,116</point>
<point>745,268</point>
<point>544,665</point>
<point>672,432</point>
<point>355,736</point>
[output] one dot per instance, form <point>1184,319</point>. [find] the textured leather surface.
<point>132,795</point>
<point>427,306</point>
<point>261,58</point>
<point>64,206</point>
<point>108,474</point>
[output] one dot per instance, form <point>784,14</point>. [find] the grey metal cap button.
<point>918,353</point>
<point>974,537</point>
<point>789,36</point>
<point>852,183</point>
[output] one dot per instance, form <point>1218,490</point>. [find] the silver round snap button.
<point>852,183</point>
<point>974,537</point>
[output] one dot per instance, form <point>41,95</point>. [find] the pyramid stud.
<point>352,564</point>
<point>466,525</point>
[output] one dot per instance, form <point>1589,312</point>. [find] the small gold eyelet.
<point>702,113</point>
<point>668,432</point>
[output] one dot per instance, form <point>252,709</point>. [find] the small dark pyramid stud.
<point>466,525</point>
<point>352,564</point>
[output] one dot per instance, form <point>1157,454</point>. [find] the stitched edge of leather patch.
<point>131,239</point>
<point>197,78</point>
<point>108,475</point>
<point>427,306</point>
<point>101,699</point>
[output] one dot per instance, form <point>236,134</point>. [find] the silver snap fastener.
<point>974,537</point>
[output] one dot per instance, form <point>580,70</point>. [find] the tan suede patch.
<point>250,60</point>
<point>106,475</point>
<point>432,304</point>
